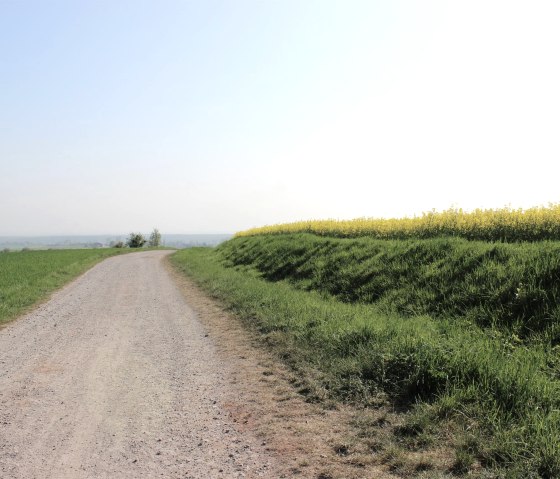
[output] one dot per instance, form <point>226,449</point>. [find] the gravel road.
<point>115,377</point>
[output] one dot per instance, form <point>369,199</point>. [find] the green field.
<point>27,277</point>
<point>461,337</point>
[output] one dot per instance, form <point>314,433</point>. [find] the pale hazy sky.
<point>215,116</point>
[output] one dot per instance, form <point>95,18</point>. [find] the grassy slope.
<point>27,277</point>
<point>513,286</point>
<point>502,396</point>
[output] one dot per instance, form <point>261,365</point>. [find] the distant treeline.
<point>104,241</point>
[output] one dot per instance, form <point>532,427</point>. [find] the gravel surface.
<point>116,377</point>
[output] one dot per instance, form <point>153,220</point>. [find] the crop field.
<point>461,337</point>
<point>506,225</point>
<point>27,277</point>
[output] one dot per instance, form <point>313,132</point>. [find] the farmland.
<point>504,224</point>
<point>27,277</point>
<point>459,336</point>
<point>449,346</point>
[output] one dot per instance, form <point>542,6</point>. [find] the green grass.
<point>513,286</point>
<point>497,395</point>
<point>27,277</point>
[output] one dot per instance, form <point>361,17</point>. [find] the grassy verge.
<point>27,277</point>
<point>491,397</point>
<point>512,286</point>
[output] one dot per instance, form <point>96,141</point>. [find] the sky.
<point>217,116</point>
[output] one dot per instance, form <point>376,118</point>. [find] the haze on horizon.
<point>213,117</point>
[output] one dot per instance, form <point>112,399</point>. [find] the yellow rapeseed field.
<point>504,224</point>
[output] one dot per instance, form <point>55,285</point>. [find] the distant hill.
<point>104,241</point>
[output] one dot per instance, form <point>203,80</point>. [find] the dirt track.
<point>115,377</point>
<point>131,371</point>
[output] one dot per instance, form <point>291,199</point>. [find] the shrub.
<point>136,240</point>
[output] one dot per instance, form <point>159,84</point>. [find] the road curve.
<point>115,377</point>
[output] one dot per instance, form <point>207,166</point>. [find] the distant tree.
<point>6,250</point>
<point>136,240</point>
<point>155,239</point>
<point>117,244</point>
